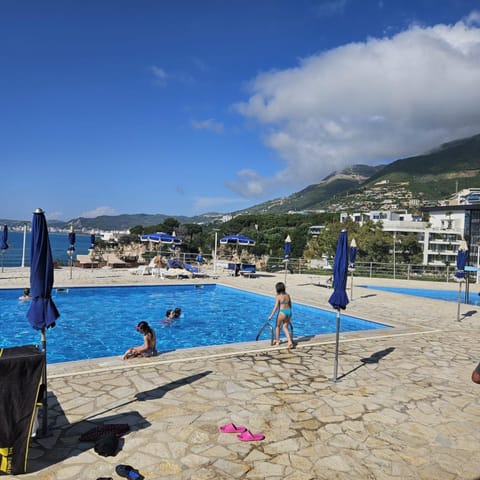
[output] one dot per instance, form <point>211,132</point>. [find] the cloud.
<point>160,75</point>
<point>54,215</point>
<point>248,184</point>
<point>99,211</point>
<point>473,18</point>
<point>330,8</point>
<point>209,124</point>
<point>202,204</point>
<point>368,102</point>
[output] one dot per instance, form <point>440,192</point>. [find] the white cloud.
<point>473,18</point>
<point>248,183</point>
<point>202,204</point>
<point>366,102</point>
<point>54,215</point>
<point>209,124</point>
<point>99,211</point>
<point>330,8</point>
<point>160,75</point>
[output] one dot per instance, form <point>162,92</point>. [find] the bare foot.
<point>277,344</point>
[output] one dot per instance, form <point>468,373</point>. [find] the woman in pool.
<point>283,303</point>
<point>149,347</point>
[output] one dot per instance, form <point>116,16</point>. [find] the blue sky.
<point>187,107</point>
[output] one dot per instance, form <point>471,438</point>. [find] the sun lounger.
<point>194,271</point>
<point>247,270</point>
<point>114,262</point>
<point>141,270</point>
<point>86,261</point>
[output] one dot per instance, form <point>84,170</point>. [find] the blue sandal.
<point>126,471</point>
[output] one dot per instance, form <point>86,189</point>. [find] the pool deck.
<point>413,414</point>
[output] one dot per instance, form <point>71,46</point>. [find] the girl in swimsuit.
<point>149,347</point>
<point>283,303</point>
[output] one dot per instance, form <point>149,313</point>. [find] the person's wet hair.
<point>177,312</point>
<point>280,287</point>
<point>144,327</point>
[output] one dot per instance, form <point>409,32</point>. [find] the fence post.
<point>371,267</point>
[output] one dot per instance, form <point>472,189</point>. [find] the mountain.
<point>314,196</point>
<point>406,183</point>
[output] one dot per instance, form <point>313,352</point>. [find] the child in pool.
<point>26,294</point>
<point>283,303</point>
<point>169,317</point>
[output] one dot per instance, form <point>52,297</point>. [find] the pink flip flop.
<point>248,436</point>
<point>232,428</point>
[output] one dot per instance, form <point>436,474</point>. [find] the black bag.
<point>107,445</point>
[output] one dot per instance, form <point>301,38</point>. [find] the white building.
<point>440,237</point>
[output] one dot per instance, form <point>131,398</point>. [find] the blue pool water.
<point>100,321</point>
<point>448,295</point>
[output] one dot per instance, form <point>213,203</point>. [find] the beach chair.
<point>194,271</point>
<point>247,270</point>
<point>114,262</point>
<point>85,261</point>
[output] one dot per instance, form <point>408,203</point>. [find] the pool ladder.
<point>272,336</point>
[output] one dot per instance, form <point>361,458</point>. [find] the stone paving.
<point>414,414</point>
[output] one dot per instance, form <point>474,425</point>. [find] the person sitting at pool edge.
<point>149,347</point>
<point>476,374</point>
<point>26,294</point>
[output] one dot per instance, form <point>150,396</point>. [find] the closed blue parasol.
<point>462,257</point>
<point>352,256</point>
<point>3,243</point>
<point>288,245</point>
<point>42,313</point>
<point>92,241</point>
<point>71,248</point>
<point>71,240</point>
<point>287,248</point>
<point>339,299</point>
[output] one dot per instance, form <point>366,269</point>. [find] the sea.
<point>59,243</point>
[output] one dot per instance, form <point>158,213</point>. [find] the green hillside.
<point>438,174</point>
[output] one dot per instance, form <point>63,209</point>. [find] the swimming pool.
<point>100,321</point>
<point>448,295</point>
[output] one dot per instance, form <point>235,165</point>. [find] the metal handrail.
<point>263,328</point>
<point>267,323</point>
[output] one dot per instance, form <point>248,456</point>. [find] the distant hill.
<point>314,196</point>
<point>438,174</point>
<point>405,183</point>
<point>115,222</point>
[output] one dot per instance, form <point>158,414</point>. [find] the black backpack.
<point>107,445</point>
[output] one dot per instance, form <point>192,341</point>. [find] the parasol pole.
<point>24,244</point>
<point>44,381</point>
<point>459,300</point>
<point>337,344</point>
